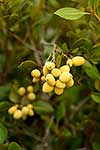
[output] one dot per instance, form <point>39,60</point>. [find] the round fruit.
<point>50,65</point>
<point>17,114</point>
<point>21,91</point>
<point>56,72</point>
<point>50,79</point>
<point>47,88</point>
<point>64,68</point>
<point>45,70</point>
<point>58,91</point>
<point>30,88</point>
<point>65,77</point>
<point>35,80</point>
<point>31,112</point>
<point>35,73</point>
<point>25,110</point>
<point>12,109</point>
<point>43,78</point>
<point>60,85</point>
<point>70,83</point>
<point>30,106</point>
<point>69,62</point>
<point>78,61</point>
<point>31,96</point>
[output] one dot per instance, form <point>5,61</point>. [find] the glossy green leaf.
<point>42,107</point>
<point>96,97</point>
<point>70,13</point>
<point>14,146</point>
<point>3,133</point>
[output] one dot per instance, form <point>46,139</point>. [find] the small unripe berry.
<point>35,80</point>
<point>50,79</point>
<point>58,91</point>
<point>31,96</point>
<point>35,73</point>
<point>31,112</point>
<point>78,61</point>
<point>47,88</point>
<point>21,91</point>
<point>64,68</point>
<point>56,72</point>
<point>17,114</point>
<point>50,65</point>
<point>30,106</point>
<point>45,70</point>
<point>65,77</point>
<point>43,78</point>
<point>12,109</point>
<point>60,85</point>
<point>30,88</point>
<point>25,110</point>
<point>69,62</point>
<point>70,83</point>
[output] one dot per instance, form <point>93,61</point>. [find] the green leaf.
<point>42,107</point>
<point>91,71</point>
<point>4,105</point>
<point>96,97</point>
<point>13,97</point>
<point>70,13</point>
<point>96,146</point>
<point>3,133</point>
<point>14,146</point>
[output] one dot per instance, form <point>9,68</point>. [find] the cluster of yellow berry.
<point>56,79</point>
<point>23,109</point>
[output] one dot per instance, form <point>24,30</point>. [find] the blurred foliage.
<point>28,30</point>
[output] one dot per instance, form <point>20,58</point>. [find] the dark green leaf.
<point>3,133</point>
<point>14,146</point>
<point>96,97</point>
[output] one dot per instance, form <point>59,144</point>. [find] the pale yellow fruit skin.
<point>60,85</point>
<point>50,79</point>
<point>35,80</point>
<point>43,78</point>
<point>45,70</point>
<point>31,96</point>
<point>70,83</point>
<point>35,73</point>
<point>58,91</point>
<point>21,91</point>
<point>50,65</point>
<point>65,77</point>
<point>69,62</point>
<point>47,88</point>
<point>30,106</point>
<point>64,68</point>
<point>30,88</point>
<point>12,109</point>
<point>17,114</point>
<point>56,72</point>
<point>78,61</point>
<point>31,112</point>
<point>25,110</point>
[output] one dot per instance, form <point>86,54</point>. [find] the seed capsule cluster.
<point>56,79</point>
<point>23,109</point>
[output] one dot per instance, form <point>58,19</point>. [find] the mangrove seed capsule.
<point>30,88</point>
<point>78,61</point>
<point>69,62</point>
<point>58,91</point>
<point>60,85</point>
<point>47,88</point>
<point>21,91</point>
<point>64,68</point>
<point>70,83</point>
<point>35,80</point>
<point>45,70</point>
<point>50,65</point>
<point>50,79</point>
<point>35,73</point>
<point>17,114</point>
<point>65,77</point>
<point>56,72</point>
<point>12,109</point>
<point>31,96</point>
<point>25,110</point>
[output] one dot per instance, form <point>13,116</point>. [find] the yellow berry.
<point>70,83</point>
<point>31,96</point>
<point>25,110</point>
<point>45,70</point>
<point>12,109</point>
<point>35,73</point>
<point>30,88</point>
<point>69,62</point>
<point>31,112</point>
<point>65,77</point>
<point>30,106</point>
<point>58,91</point>
<point>47,88</point>
<point>21,91</point>
<point>43,78</point>
<point>50,65</point>
<point>17,114</point>
<point>50,79</point>
<point>56,72</point>
<point>24,117</point>
<point>64,68</point>
<point>60,85</point>
<point>35,80</point>
<point>78,61</point>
